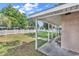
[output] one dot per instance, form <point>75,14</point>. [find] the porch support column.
<point>48,32</point>
<point>36,44</point>
<point>58,30</point>
<point>52,32</point>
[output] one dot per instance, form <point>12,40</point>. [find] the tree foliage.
<point>15,18</point>
<point>46,25</point>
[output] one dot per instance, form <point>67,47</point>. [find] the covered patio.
<point>64,16</point>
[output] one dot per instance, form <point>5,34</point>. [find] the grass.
<point>5,46</point>
<point>45,34</point>
<point>24,50</point>
<point>13,37</point>
<point>19,44</point>
<point>30,34</point>
<point>10,41</point>
<point>41,42</point>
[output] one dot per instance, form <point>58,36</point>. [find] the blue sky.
<point>29,8</point>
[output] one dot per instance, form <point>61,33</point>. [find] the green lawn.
<point>20,37</point>
<point>41,42</point>
<point>45,34</point>
<point>19,44</point>
<point>24,50</point>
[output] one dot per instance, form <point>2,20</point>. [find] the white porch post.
<point>52,32</point>
<point>48,32</point>
<point>36,44</point>
<point>58,30</point>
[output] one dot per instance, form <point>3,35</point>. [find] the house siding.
<point>70,31</point>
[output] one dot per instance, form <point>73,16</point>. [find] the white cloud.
<point>30,6</point>
<point>21,10</point>
<point>16,6</point>
<point>31,12</point>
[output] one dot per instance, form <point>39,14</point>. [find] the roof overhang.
<point>53,15</point>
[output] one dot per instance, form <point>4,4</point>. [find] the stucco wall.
<point>70,32</point>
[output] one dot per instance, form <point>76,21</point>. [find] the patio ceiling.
<point>52,20</point>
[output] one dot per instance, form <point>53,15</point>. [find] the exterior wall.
<point>70,32</point>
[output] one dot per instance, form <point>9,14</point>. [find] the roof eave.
<point>52,10</point>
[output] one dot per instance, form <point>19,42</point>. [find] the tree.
<point>45,25</point>
<point>31,24</point>
<point>16,18</point>
<point>4,21</point>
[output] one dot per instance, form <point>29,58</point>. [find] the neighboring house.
<point>66,15</point>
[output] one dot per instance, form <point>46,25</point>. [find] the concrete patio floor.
<point>53,49</point>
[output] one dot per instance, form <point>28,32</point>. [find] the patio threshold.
<point>53,49</point>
